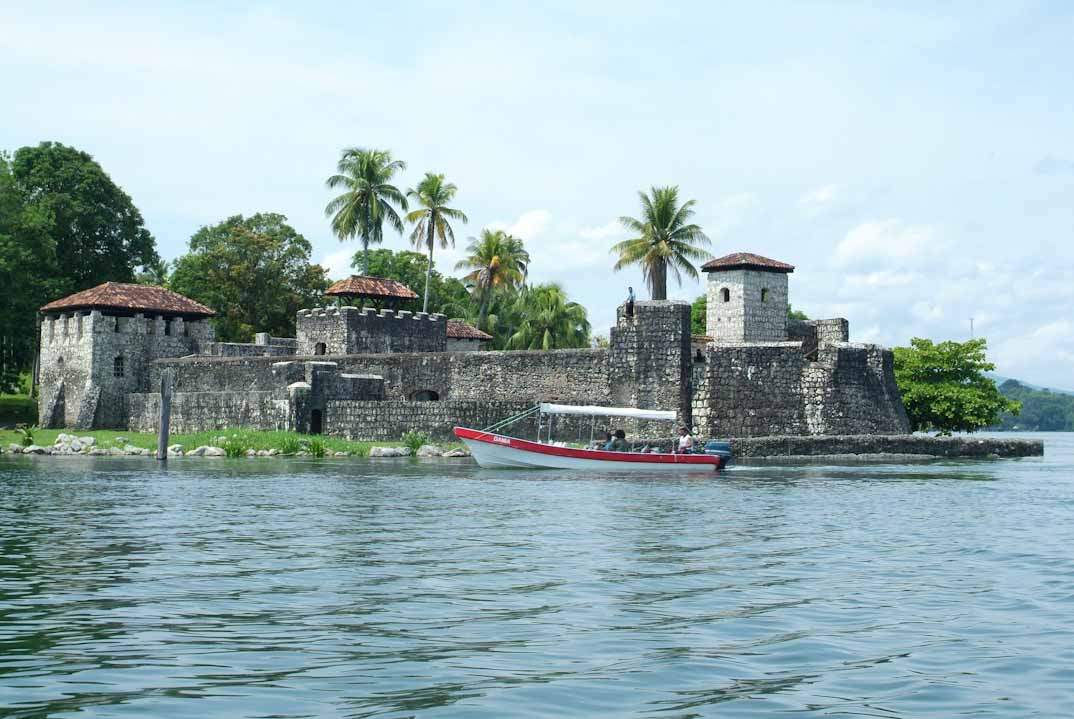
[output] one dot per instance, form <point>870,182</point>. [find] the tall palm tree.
<point>496,260</point>
<point>368,197</point>
<point>549,320</point>
<point>431,221</point>
<point>664,240</point>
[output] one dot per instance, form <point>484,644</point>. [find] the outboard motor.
<point>720,449</point>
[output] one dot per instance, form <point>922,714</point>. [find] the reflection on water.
<point>355,589</point>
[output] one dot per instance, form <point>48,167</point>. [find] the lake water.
<point>268,588</point>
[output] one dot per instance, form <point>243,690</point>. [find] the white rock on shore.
<point>456,453</point>
<point>430,450</point>
<point>389,452</point>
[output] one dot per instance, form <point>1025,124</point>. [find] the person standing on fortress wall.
<point>630,302</point>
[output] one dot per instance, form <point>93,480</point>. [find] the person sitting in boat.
<point>605,443</point>
<point>686,441</point>
<point>618,443</point>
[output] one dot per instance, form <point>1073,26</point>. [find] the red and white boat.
<point>499,451</point>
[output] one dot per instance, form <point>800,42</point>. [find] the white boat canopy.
<point>594,411</point>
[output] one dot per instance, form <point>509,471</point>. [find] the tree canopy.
<point>549,320</point>
<point>255,272</point>
<point>447,295</point>
<point>368,199</point>
<point>98,233</point>
<point>497,262</point>
<point>944,387</point>
<point>65,226</point>
<point>1042,410</point>
<point>665,240</point>
<point>431,219</point>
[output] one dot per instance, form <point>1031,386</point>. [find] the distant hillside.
<point>1000,379</point>
<point>1043,410</point>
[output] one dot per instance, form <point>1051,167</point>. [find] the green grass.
<point>17,409</point>
<point>236,443</point>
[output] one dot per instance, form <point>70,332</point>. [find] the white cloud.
<point>927,311</point>
<point>612,229</point>
<point>820,199</point>
<point>338,263</point>
<point>528,226</point>
<point>731,211</point>
<point>886,242</point>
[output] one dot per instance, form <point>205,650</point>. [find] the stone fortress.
<point>373,374</point>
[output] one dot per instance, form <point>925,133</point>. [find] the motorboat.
<point>491,448</point>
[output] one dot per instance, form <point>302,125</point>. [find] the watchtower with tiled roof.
<point>747,298</point>
<point>97,344</point>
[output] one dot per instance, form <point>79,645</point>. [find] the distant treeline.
<point>1042,410</point>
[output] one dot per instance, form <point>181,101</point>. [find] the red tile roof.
<point>132,298</point>
<point>746,261</point>
<point>457,329</point>
<point>373,287</point>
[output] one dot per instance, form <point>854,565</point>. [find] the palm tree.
<point>496,261</point>
<point>549,321</point>
<point>664,239</point>
<point>368,197</point>
<point>431,222</point>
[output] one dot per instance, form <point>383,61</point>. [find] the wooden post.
<point>165,415</point>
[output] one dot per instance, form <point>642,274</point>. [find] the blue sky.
<point>915,161</point>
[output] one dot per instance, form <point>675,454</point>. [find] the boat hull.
<point>497,451</point>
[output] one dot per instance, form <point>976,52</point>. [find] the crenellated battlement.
<point>75,327</point>
<point>350,330</point>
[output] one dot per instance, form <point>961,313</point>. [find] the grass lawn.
<point>238,439</point>
<point>17,409</point>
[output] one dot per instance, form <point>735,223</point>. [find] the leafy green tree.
<point>98,233</point>
<point>549,320</point>
<point>431,221</point>
<point>944,387</point>
<point>1042,410</point>
<point>699,310</point>
<point>254,271</point>
<point>665,240</point>
<point>497,262</point>
<point>368,197</point>
<point>793,314</point>
<point>28,276</point>
<point>447,295</point>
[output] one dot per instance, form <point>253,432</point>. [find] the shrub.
<point>290,445</point>
<point>26,433</point>
<point>414,440</point>
<point>317,447</point>
<point>235,446</point>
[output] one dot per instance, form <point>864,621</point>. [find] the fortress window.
<point>320,348</point>
<point>425,395</point>
<point>59,362</point>
<point>167,327</point>
<point>764,295</point>
<point>115,327</point>
<point>725,295</point>
<point>117,366</point>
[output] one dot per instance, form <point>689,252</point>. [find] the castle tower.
<point>96,346</point>
<point>747,299</point>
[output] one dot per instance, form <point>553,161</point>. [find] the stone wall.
<point>109,354</point>
<point>349,330</point>
<point>755,309</point>
<point>388,421</point>
<point>649,357</point>
<point>774,389</point>
<point>201,411</point>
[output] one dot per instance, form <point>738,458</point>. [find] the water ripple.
<point>329,589</point>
